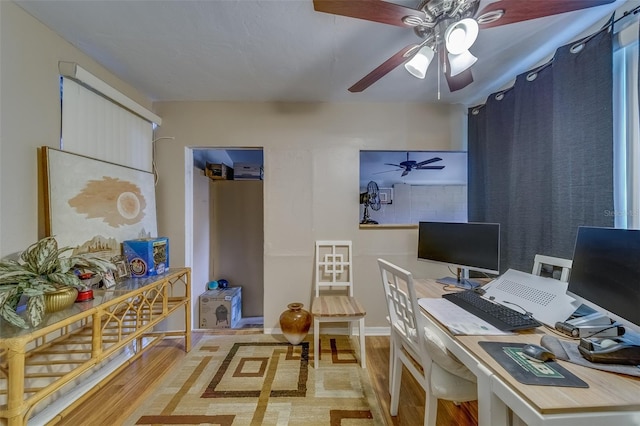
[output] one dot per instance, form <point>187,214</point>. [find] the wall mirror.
<point>406,187</point>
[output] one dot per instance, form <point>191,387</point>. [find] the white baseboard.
<point>72,392</point>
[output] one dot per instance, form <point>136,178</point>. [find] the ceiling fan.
<point>447,28</point>
<point>408,165</point>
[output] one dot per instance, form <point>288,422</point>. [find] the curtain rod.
<point>586,39</point>
<point>611,23</point>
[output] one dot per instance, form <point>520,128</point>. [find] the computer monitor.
<point>465,246</point>
<point>605,274</point>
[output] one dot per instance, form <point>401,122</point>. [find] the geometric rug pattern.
<point>263,380</point>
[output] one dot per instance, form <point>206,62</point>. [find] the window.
<point>626,130</point>
<point>100,122</point>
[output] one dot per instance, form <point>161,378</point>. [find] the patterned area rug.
<point>263,380</point>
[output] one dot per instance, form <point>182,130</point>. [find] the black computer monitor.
<point>605,273</point>
<point>465,246</point>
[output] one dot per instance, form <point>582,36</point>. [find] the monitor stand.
<point>462,282</point>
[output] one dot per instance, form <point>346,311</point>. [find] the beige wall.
<point>311,161</point>
<point>237,229</point>
<point>30,105</point>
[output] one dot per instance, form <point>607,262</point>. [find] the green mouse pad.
<point>524,370</point>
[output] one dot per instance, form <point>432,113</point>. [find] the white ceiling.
<point>282,50</point>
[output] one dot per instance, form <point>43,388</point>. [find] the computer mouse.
<point>537,353</point>
<point>606,343</point>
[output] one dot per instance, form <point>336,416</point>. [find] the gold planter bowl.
<point>60,299</point>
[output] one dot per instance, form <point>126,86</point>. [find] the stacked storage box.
<point>247,171</point>
<point>218,171</point>
<point>221,308</point>
<point>147,256</point>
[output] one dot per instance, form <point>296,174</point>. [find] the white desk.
<point>611,399</point>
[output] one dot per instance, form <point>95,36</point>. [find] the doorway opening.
<point>227,230</point>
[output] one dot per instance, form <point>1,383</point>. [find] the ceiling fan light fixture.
<point>417,66</point>
<point>461,35</point>
<point>461,62</point>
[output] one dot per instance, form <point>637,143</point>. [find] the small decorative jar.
<point>295,323</point>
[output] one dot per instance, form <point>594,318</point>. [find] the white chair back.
<point>539,260</point>
<point>333,266</point>
<point>404,310</point>
<point>418,348</point>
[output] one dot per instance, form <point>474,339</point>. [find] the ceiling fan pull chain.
<point>437,48</point>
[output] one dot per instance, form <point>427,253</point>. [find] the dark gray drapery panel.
<point>541,158</point>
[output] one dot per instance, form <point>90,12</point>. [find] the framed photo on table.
<point>108,279</point>
<point>122,271</point>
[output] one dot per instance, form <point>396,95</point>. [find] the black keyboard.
<point>501,317</point>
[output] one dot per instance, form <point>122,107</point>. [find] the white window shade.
<point>97,127</point>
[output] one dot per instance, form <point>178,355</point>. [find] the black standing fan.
<point>370,199</point>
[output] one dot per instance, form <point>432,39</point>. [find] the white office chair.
<point>418,348</point>
<point>539,260</point>
<point>334,271</point>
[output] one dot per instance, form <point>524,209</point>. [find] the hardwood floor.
<point>117,399</point>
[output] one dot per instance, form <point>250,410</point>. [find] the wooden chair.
<point>420,350</point>
<point>334,301</point>
<point>540,260</point>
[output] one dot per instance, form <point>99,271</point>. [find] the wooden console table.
<point>40,366</point>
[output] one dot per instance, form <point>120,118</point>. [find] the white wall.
<point>30,105</point>
<point>414,203</point>
<point>311,190</point>
<point>202,266</point>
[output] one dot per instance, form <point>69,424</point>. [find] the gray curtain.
<point>541,154</point>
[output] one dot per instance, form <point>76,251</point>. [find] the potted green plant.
<point>41,268</point>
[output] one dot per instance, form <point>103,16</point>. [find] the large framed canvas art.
<point>93,206</point>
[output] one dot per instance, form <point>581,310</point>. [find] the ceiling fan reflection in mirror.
<point>408,165</point>
<point>447,29</point>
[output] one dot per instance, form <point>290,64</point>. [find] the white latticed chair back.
<point>401,312</point>
<point>334,267</point>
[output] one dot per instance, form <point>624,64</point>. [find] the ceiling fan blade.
<point>394,165</point>
<point>370,10</point>
<point>429,161</point>
<point>523,10</point>
<point>406,172</point>
<point>385,68</point>
<point>459,81</point>
<point>430,168</point>
<point>386,171</point>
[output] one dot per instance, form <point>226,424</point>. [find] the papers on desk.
<point>456,319</point>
